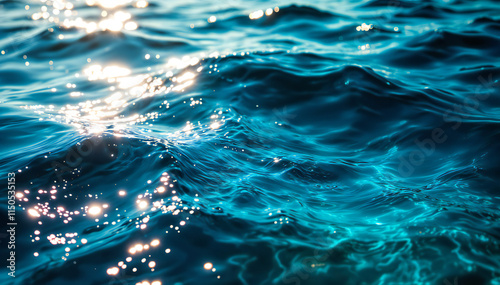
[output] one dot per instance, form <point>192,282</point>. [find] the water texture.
<point>251,142</point>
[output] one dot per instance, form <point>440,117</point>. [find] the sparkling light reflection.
<point>260,13</point>
<point>65,14</point>
<point>106,113</point>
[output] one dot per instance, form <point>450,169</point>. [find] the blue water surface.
<point>251,142</point>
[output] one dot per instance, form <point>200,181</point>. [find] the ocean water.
<point>251,142</point>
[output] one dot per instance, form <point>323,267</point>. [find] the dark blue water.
<point>251,142</point>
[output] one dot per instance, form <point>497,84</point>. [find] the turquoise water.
<point>251,142</point>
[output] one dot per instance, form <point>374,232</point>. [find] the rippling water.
<point>252,142</point>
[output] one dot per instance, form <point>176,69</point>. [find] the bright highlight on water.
<point>250,142</point>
